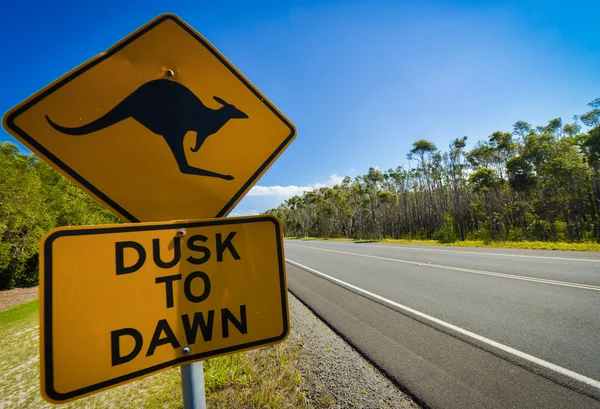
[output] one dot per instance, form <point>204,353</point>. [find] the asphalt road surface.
<point>462,327</point>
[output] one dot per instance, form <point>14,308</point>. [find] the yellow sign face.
<point>120,302</point>
<point>159,127</point>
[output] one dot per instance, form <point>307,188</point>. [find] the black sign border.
<point>10,119</point>
<point>47,304</point>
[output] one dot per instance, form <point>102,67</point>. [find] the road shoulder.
<point>334,374</point>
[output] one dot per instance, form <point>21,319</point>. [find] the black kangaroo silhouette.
<point>170,110</point>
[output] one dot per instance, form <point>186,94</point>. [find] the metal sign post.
<point>192,384</point>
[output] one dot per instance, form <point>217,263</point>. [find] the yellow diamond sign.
<point>159,127</point>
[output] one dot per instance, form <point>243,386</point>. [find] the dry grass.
<point>11,298</point>
<point>263,378</point>
<point>535,245</point>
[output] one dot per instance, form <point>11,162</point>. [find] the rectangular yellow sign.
<point>120,302</point>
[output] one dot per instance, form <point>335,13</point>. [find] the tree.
<point>428,158</point>
<point>484,180</point>
<point>482,155</point>
<point>520,173</point>
<point>554,127</point>
<point>591,149</point>
<point>571,129</point>
<point>24,218</point>
<point>592,118</point>
<point>34,199</point>
<point>521,129</point>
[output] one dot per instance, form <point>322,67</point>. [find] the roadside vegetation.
<point>534,245</point>
<point>34,199</point>
<point>262,378</point>
<point>532,187</point>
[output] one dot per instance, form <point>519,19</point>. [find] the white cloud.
<point>285,192</point>
<point>335,180</point>
<point>251,212</point>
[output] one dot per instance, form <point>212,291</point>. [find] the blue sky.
<point>360,80</point>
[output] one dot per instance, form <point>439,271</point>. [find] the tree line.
<point>34,199</point>
<point>533,183</point>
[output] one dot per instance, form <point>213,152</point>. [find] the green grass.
<point>26,311</point>
<point>537,245</point>
<point>261,378</point>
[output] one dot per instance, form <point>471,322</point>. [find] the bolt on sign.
<point>119,302</point>
<point>159,127</point>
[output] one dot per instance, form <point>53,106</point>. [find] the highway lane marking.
<point>391,246</point>
<point>464,270</point>
<point>515,352</point>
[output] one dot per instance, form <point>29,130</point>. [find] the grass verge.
<point>262,378</point>
<point>535,245</point>
<point>24,312</point>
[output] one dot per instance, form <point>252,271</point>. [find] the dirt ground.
<point>10,298</point>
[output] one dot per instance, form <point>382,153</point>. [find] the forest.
<point>537,183</point>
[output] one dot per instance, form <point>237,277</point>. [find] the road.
<point>462,327</point>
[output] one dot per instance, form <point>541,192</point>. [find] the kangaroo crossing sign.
<point>159,127</point>
<point>123,301</point>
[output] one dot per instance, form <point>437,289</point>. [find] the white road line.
<point>464,270</point>
<point>530,358</point>
<point>391,246</point>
